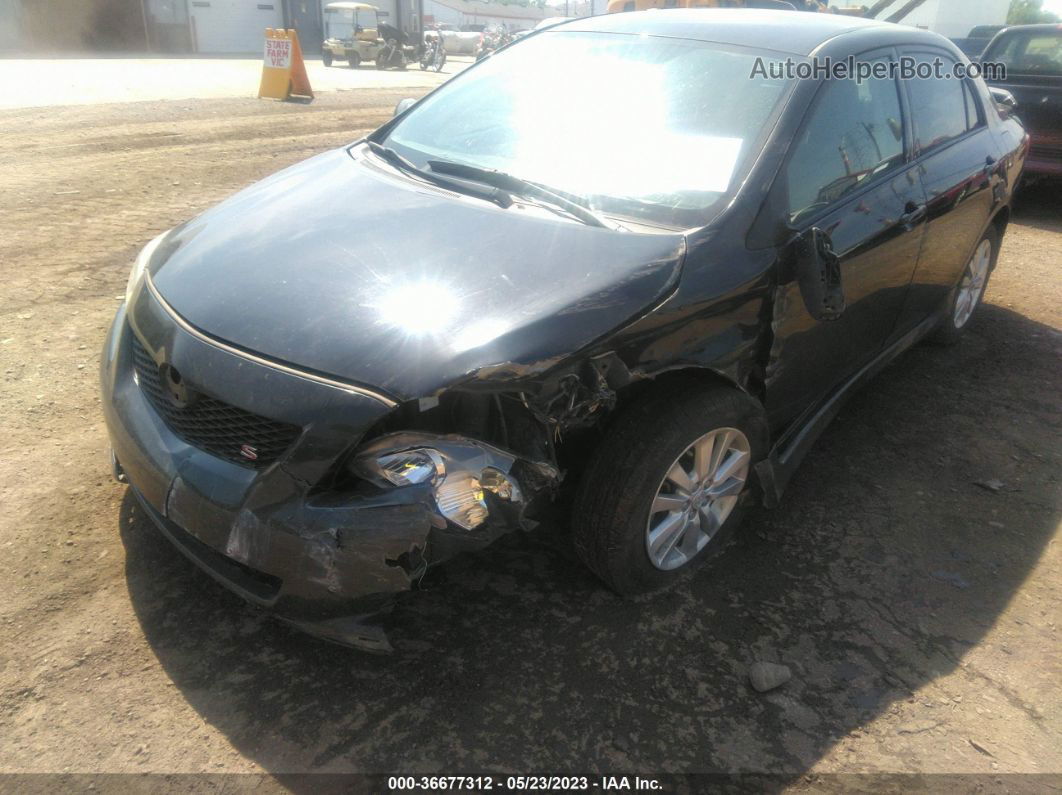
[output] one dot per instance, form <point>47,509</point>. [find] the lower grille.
<point>213,425</point>
<point>1046,151</point>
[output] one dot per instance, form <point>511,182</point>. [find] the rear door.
<point>849,174</point>
<point>959,165</point>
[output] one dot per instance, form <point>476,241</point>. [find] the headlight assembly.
<point>460,471</point>
<point>406,468</point>
<point>140,265</point>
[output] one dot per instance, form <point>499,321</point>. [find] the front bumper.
<point>326,561</point>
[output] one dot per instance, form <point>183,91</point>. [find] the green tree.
<point>1029,12</point>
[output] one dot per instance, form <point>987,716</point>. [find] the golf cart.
<point>351,34</point>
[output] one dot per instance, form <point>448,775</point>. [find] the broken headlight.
<point>458,470</point>
<point>408,467</point>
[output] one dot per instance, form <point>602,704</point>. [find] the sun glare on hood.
<point>419,308</point>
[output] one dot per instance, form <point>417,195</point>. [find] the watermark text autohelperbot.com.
<point>851,68</point>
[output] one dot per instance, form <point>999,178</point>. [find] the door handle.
<point>913,214</point>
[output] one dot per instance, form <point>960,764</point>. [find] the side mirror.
<point>1005,101</point>
<point>818,271</point>
<point>404,105</point>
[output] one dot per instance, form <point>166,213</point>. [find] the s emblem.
<point>248,452</point>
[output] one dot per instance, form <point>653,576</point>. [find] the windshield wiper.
<point>495,195</point>
<point>522,187</point>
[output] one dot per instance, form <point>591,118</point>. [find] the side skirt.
<point>775,471</point>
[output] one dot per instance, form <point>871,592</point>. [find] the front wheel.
<point>354,60</point>
<point>968,293</point>
<point>326,58</point>
<point>440,62</point>
<point>665,488</point>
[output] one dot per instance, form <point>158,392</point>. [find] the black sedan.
<point>620,261</point>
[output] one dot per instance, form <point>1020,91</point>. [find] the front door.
<point>848,174</point>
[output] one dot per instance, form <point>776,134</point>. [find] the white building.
<point>951,18</point>
<point>476,12</point>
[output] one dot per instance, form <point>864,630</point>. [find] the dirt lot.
<point>918,611</point>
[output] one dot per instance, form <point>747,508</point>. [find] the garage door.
<point>233,26</point>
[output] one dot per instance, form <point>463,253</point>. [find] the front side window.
<point>855,133</point>
<point>651,128</point>
<point>939,111</point>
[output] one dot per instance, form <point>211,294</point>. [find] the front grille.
<point>213,425</point>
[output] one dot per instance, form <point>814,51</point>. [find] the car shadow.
<point>883,567</point>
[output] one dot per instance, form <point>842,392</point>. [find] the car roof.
<point>1042,27</point>
<point>796,32</point>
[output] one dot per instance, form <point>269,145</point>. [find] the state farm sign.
<point>278,53</point>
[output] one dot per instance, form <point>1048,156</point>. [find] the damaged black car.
<point>617,265</point>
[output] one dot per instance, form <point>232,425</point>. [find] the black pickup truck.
<point>1032,55</point>
<point>977,39</point>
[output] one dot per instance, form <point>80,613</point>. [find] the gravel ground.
<point>917,610</point>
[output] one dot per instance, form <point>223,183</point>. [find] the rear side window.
<point>855,133</point>
<point>942,111</point>
<point>1029,53</point>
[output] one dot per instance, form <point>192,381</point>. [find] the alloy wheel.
<point>972,284</point>
<point>696,496</point>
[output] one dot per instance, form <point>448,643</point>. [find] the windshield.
<point>646,127</point>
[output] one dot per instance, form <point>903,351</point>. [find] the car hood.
<point>341,266</point>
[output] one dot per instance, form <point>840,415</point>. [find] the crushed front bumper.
<point>326,561</point>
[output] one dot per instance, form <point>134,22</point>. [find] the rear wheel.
<point>326,58</point>
<point>967,295</point>
<point>664,489</point>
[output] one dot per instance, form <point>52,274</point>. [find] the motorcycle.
<point>434,55</point>
<point>393,54</point>
<point>493,39</point>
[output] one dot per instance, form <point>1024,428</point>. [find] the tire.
<point>440,63</point>
<point>381,63</point>
<point>966,296</point>
<point>629,472</point>
<point>354,60</point>
<point>326,58</point>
